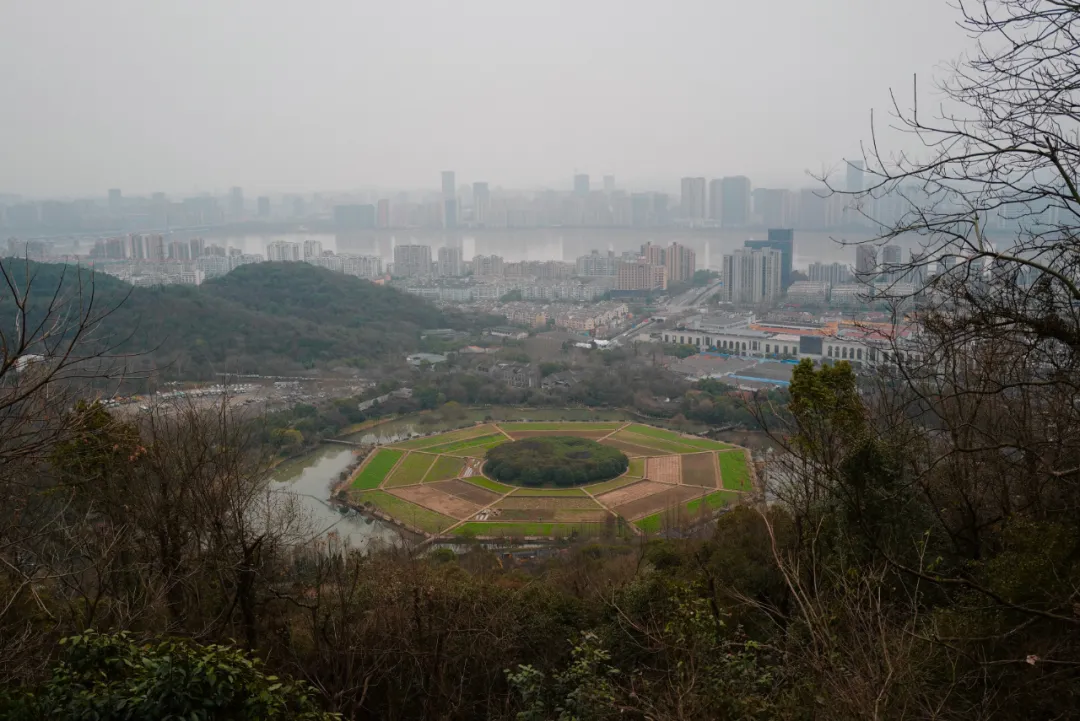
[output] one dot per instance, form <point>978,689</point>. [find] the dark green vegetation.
<point>267,318</point>
<point>556,461</point>
<point>113,677</point>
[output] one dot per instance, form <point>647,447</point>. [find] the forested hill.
<point>271,318</point>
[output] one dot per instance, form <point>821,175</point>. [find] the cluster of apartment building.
<point>311,252</point>
<point>580,319</point>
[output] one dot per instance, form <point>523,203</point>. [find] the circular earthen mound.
<point>554,461</point>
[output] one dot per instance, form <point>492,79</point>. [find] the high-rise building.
<point>865,262</point>
<point>716,199</point>
<point>736,201</point>
<point>481,203</point>
<point>411,261</point>
<point>692,201</point>
<point>641,276</point>
<point>450,216</point>
<point>382,215</point>
<point>653,254</point>
<point>236,202</point>
<point>354,216</point>
<point>774,207</point>
<point>831,273</point>
<point>681,263</point>
<point>299,210</point>
<point>450,264</point>
<point>283,250</point>
<point>811,209</point>
<point>752,276</point>
<point>449,185</point>
<point>609,184</point>
<point>312,249</point>
<point>581,184</point>
<point>891,258</point>
<point>595,264</point>
<point>488,266</point>
<point>116,200</point>
<point>264,206</point>
<point>855,180</point>
<point>783,240</point>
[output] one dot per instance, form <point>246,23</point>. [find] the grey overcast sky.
<point>291,95</point>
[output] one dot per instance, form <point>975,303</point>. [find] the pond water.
<point>310,477</point>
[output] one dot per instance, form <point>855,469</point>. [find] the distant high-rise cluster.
<point>760,271</point>
<point>412,260</point>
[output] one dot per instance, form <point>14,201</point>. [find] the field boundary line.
<point>393,468</point>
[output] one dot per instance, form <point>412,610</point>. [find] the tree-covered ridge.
<point>264,318</point>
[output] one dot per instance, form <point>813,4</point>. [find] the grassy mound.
<point>554,461</point>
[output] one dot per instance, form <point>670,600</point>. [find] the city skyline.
<point>283,97</point>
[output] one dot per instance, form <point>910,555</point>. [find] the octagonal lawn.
<point>435,484</point>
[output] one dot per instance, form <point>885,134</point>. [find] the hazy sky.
<point>291,95</point>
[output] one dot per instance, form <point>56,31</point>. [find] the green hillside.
<point>270,318</point>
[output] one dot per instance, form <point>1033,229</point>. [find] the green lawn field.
<point>734,474</point>
<point>411,470</point>
<point>637,468</point>
<point>409,513</point>
<point>375,470</point>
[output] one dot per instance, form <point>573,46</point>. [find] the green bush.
<point>555,461</point>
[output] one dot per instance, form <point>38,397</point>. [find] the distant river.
<point>310,477</point>
<point>552,243</point>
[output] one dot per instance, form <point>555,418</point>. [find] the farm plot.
<point>657,443</point>
<point>411,470</point>
<point>443,438</point>
<point>699,469</point>
<point>479,450</point>
<point>519,435</point>
<point>733,470</point>
<point>598,488</point>
<point>567,515</point>
<point>567,426</point>
<point>471,493</point>
<point>637,468</point>
<point>659,433</point>
<point>665,469</point>
<point>460,444</point>
<point>671,497</point>
<point>445,468</point>
<point>374,471</point>
<point>436,500</point>
<point>631,492</point>
<point>631,449</point>
<point>533,502</point>
<point>410,513</point>
<point>487,483</point>
<point>522,530</point>
<point>549,492</point>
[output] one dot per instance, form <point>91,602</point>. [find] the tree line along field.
<point>436,485</point>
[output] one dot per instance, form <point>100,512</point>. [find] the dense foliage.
<point>110,677</point>
<point>555,461</point>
